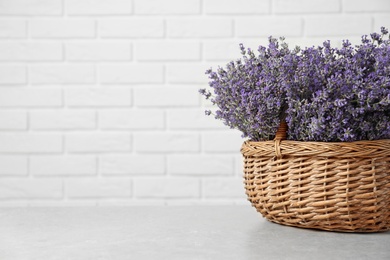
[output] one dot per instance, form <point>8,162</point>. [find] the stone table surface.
<point>173,232</point>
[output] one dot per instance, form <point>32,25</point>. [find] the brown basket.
<point>341,186</point>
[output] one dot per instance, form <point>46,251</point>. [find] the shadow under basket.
<point>339,186</point>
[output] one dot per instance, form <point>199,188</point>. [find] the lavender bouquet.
<point>323,93</point>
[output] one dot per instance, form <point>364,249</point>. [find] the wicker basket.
<point>341,186</point>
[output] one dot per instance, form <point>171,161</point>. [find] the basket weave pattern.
<point>331,186</point>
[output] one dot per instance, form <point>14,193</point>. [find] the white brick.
<point>132,28</point>
<point>167,51</point>
<point>199,27</point>
<point>13,120</point>
<point>30,97</point>
<point>62,203</point>
<point>13,74</point>
<point>133,164</point>
<point>30,189</point>
<point>209,202</point>
<point>13,29</point>
<point>223,188</point>
<point>62,119</point>
<point>98,97</point>
<point>166,96</point>
<point>31,7</point>
<point>98,7</point>
<point>236,7</point>
<point>306,6</point>
<point>125,74</point>
<point>166,142</point>
<point>187,73</point>
<point>124,202</point>
<point>166,188</point>
<point>97,51</point>
<point>366,6</point>
<point>221,50</point>
<point>381,20</point>
<point>30,143</point>
<point>13,165</point>
<point>192,119</point>
<point>336,25</point>
<point>200,165</point>
<point>266,26</point>
<point>167,7</point>
<point>12,204</point>
<point>54,165</point>
<point>97,188</point>
<point>62,28</point>
<point>30,51</point>
<point>222,142</point>
<point>131,119</point>
<point>62,74</point>
<point>98,142</point>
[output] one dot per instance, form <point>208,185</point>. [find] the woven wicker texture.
<point>330,186</point>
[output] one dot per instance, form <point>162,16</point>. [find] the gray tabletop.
<point>188,232</point>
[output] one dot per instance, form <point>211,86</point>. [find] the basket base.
<point>327,229</point>
<point>363,227</point>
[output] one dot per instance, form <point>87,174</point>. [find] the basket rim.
<point>364,148</point>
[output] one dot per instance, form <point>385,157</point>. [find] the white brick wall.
<point>99,101</point>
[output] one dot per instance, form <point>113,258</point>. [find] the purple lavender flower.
<point>249,92</point>
<point>324,93</point>
<point>341,94</point>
